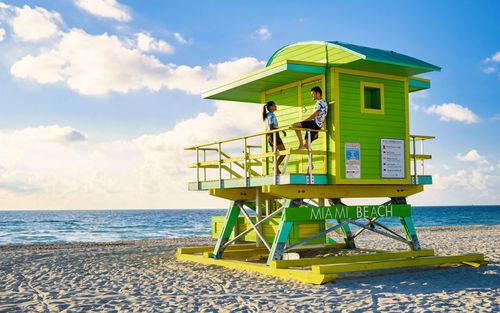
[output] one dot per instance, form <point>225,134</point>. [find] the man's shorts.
<point>278,139</point>
<point>310,125</point>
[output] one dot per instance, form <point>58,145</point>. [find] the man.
<point>315,121</point>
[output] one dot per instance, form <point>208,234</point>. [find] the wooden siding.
<point>366,128</point>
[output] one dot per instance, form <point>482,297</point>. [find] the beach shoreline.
<point>144,276</point>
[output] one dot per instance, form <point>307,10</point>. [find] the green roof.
<point>353,56</point>
<point>302,60</point>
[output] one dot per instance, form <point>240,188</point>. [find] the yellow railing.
<point>421,156</point>
<point>246,162</point>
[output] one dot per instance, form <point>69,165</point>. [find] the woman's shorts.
<point>278,139</point>
<point>310,125</point>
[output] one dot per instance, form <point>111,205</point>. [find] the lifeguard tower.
<point>365,150</point>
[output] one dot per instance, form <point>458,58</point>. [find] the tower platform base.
<point>322,264</point>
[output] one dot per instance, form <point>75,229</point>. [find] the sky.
<point>99,97</point>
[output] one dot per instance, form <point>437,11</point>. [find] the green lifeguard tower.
<point>365,150</point>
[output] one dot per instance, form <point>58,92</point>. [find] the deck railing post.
<point>245,164</point>
<point>275,159</point>
<point>422,151</point>
<point>415,159</point>
<point>204,160</point>
<point>197,168</point>
<point>220,165</point>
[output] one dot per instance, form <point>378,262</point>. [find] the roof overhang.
<point>417,83</point>
<point>248,88</point>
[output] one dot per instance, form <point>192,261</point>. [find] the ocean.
<point>57,226</point>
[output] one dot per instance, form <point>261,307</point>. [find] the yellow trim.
<point>337,126</point>
<point>300,275</point>
<point>384,264</point>
<point>351,258</point>
<point>280,88</point>
<point>362,86</point>
<point>420,79</point>
<point>311,79</point>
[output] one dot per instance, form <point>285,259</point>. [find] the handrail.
<point>419,137</point>
<point>255,135</point>
<point>414,157</point>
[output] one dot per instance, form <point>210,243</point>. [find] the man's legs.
<point>299,135</point>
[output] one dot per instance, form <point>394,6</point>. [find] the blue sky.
<point>100,96</point>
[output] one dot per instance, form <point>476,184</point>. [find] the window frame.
<point>364,84</point>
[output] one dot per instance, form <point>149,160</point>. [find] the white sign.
<point>352,160</point>
<point>392,158</point>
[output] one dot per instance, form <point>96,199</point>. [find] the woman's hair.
<point>266,106</point>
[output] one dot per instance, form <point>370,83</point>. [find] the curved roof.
<point>348,55</point>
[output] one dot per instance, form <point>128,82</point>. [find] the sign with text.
<point>392,158</point>
<point>346,212</point>
<point>352,160</point>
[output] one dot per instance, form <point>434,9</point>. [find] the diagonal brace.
<point>254,226</point>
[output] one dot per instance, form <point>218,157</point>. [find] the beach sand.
<point>144,276</point>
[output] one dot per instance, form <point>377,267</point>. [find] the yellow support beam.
<point>341,191</point>
<point>420,157</point>
<point>239,194</point>
<point>385,264</point>
<point>300,275</point>
<point>351,258</point>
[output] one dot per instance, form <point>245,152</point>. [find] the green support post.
<point>282,234</point>
<point>410,233</point>
<point>227,228</point>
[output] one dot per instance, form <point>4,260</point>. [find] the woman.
<point>272,123</point>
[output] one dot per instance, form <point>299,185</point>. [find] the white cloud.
<point>453,111</point>
<point>489,70</point>
<point>53,133</point>
<point>181,39</point>
<point>494,58</point>
<point>2,33</point>
<point>147,43</point>
<point>472,155</point>
<point>105,8</point>
<point>262,33</point>
<point>35,24</point>
<point>97,65</point>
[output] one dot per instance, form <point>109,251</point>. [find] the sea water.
<point>57,226</point>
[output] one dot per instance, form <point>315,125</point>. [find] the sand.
<point>144,276</point>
